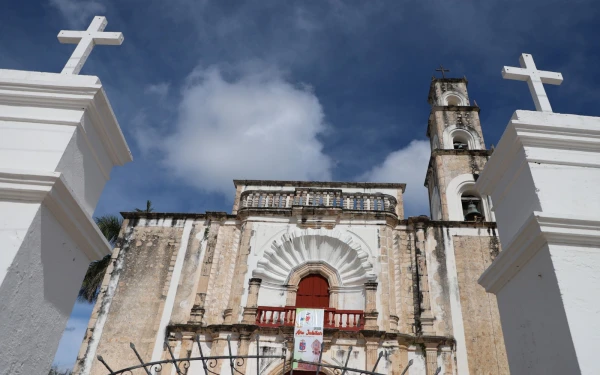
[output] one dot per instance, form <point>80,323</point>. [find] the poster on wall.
<point>308,336</point>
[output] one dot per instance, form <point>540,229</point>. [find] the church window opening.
<point>460,142</point>
<point>472,207</point>
<point>453,100</point>
<point>313,291</point>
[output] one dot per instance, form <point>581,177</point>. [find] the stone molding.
<point>539,229</point>
<point>550,131</point>
<point>50,188</point>
<point>337,249</point>
<point>324,184</point>
<point>57,99</point>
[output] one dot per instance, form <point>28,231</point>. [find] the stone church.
<point>402,286</point>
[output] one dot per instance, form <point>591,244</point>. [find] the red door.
<point>313,291</point>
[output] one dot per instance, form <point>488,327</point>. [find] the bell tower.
<point>458,154</point>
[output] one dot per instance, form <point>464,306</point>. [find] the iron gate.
<point>182,365</point>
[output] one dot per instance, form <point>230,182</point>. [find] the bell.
<point>460,146</point>
<point>472,212</point>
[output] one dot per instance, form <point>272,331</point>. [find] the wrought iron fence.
<point>209,363</point>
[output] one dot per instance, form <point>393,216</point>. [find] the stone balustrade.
<point>345,320</point>
<point>331,198</point>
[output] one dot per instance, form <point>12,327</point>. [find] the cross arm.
<point>70,37</point>
<point>99,38</point>
<point>550,77</point>
<point>115,39</point>
<point>517,74</point>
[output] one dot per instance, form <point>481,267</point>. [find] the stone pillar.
<point>403,359</point>
<point>371,305</point>
<point>431,352</point>
<point>334,294</point>
<point>447,359</point>
<point>543,179</point>
<point>59,142</point>
<point>244,345</point>
<point>219,341</point>
<point>290,298</point>
<point>198,310</point>
<point>372,346</point>
<point>241,269</point>
<point>426,314</point>
<point>252,301</point>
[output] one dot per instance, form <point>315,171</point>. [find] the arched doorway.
<point>313,291</point>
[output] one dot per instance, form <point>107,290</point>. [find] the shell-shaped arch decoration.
<point>336,248</point>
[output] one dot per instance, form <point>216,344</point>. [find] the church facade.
<point>406,287</point>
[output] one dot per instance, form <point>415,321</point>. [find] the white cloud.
<point>254,124</point>
<point>159,89</point>
<point>79,12</point>
<point>407,165</point>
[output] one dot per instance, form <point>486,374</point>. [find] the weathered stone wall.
<point>440,284</point>
<point>405,299</point>
<point>221,273</point>
<point>190,274</point>
<point>448,165</point>
<point>138,302</point>
<point>461,117</point>
<point>481,320</point>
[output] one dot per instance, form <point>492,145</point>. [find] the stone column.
<point>372,346</point>
<point>447,359</point>
<point>543,179</point>
<point>59,141</point>
<point>426,314</point>
<point>403,354</point>
<point>334,295</point>
<point>241,269</point>
<point>371,305</point>
<point>290,298</point>
<point>431,352</point>
<point>198,310</point>
<point>252,301</point>
<point>244,345</point>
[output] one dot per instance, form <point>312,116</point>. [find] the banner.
<point>308,336</point>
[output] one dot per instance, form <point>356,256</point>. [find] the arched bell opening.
<point>472,207</point>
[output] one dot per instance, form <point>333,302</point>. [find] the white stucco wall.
<point>59,141</point>
<point>350,297</point>
<point>38,291</point>
<point>534,323</point>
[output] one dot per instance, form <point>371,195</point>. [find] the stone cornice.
<point>455,108</point>
<point>402,338</point>
<point>317,184</point>
<point>443,152</point>
<point>544,135</point>
<point>50,189</point>
<point>539,229</point>
<point>64,100</point>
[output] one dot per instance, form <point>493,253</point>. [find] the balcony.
<point>327,198</point>
<point>345,320</point>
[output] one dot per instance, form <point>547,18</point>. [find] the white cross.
<point>86,40</point>
<point>535,80</point>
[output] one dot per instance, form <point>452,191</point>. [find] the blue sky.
<point>209,91</point>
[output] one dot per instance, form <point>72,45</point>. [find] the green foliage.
<point>110,226</point>
<point>148,209</point>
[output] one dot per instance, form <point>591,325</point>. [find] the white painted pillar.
<point>59,140</point>
<point>544,180</point>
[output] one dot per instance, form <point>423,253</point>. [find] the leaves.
<point>110,226</point>
<point>148,209</point>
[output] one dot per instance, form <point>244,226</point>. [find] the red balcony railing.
<point>346,320</point>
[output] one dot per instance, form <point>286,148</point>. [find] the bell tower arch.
<point>458,153</point>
